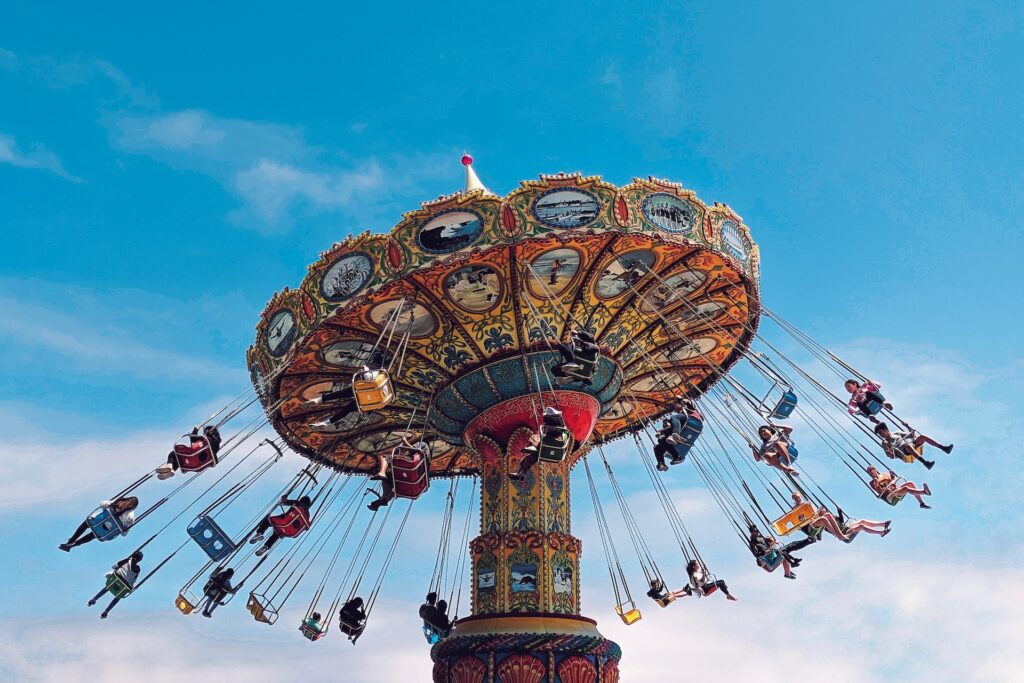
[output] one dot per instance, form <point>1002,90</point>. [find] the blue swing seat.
<point>784,408</point>
<point>312,629</point>
<point>211,538</point>
<point>873,407</point>
<point>105,525</point>
<point>430,633</point>
<point>691,430</point>
<point>771,561</point>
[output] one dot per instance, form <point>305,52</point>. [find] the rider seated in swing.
<point>208,441</point>
<point>343,400</point>
<point>128,571</point>
<point>440,621</point>
<point>582,343</point>
<point>763,547</point>
<point>909,444</point>
<point>774,449</point>
<point>352,618</point>
<point>314,623</point>
<point>826,521</point>
<point>552,427</point>
<point>887,487</point>
<point>123,509</point>
<point>218,589</point>
<point>387,484</point>
<point>663,449</point>
<point>661,595</point>
<point>865,399</point>
<point>299,507</point>
<point>701,584</point>
<point>686,413</point>
<point>428,610</point>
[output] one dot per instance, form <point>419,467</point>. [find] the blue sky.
<point>164,171</point>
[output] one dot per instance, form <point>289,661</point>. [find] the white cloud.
<point>36,157</point>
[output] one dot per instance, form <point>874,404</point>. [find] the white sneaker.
<point>315,401</point>
<point>570,366</point>
<point>674,439</point>
<point>321,424</point>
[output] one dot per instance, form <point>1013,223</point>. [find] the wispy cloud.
<point>37,156</point>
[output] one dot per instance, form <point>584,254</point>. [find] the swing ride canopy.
<point>481,288</point>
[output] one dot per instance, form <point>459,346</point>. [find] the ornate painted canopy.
<point>486,285</point>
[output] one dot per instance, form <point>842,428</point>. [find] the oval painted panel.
<point>415,319</point>
<point>281,332</point>
<point>346,276</point>
<point>663,381</point>
<point>670,213</point>
<point>474,288</point>
<point>561,208</point>
<point>734,241</point>
<point>622,273</point>
<point>450,231</point>
<point>553,271</point>
<point>617,409</point>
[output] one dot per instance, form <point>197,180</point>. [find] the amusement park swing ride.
<point>482,348</point>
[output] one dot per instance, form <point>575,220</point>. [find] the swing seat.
<point>691,430</point>
<point>351,627</point>
<point>373,390</point>
<point>431,633</point>
<point>587,362</point>
<point>105,524</point>
<point>771,561</point>
<point>211,538</point>
<point>261,609</point>
<point>186,602</point>
<point>909,458</point>
<point>194,453</point>
<point>872,406</point>
<point>793,452</point>
<point>784,408</point>
<point>291,523</point>
<point>555,443</point>
<point>798,517</point>
<point>851,537</point>
<point>312,630</point>
<point>410,472</point>
<point>629,617</point>
<point>118,587</point>
<point>893,498</point>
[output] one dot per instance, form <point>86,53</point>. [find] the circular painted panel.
<point>415,319</point>
<point>561,208</point>
<point>353,353</point>
<point>662,381</point>
<point>617,409</point>
<point>624,272</point>
<point>699,347</point>
<point>281,332</point>
<point>346,276</point>
<point>670,213</point>
<point>673,289</point>
<point>555,270</point>
<point>734,241</point>
<point>474,288</point>
<point>450,231</point>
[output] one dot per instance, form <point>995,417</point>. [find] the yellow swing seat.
<point>373,390</point>
<point>629,617</point>
<point>798,517</point>
<point>910,457</point>
<point>184,604</point>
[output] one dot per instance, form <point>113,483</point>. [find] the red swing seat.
<point>291,522</point>
<point>410,474</point>
<point>195,455</point>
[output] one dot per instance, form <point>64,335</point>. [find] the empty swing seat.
<point>373,390</point>
<point>784,408</point>
<point>313,630</point>
<point>629,617</point>
<point>194,453</point>
<point>291,522</point>
<point>798,517</point>
<point>105,524</point>
<point>261,609</point>
<point>554,443</point>
<point>770,561</point>
<point>186,602</point>
<point>211,538</point>
<point>409,470</point>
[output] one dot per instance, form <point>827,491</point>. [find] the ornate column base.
<point>516,648</point>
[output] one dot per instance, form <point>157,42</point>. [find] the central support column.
<point>525,572</point>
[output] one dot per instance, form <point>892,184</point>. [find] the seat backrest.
<point>799,516</point>
<point>292,522</point>
<point>629,617</point>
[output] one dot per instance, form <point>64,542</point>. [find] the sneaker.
<point>790,575</point>
<point>103,615</point>
<point>530,450</point>
<point>515,476</point>
<point>926,506</point>
<point>165,470</point>
<point>928,464</point>
<point>674,439</point>
<point>321,424</point>
<point>256,539</point>
<point>662,467</point>
<point>795,561</point>
<point>66,547</point>
<point>676,461</point>
<point>378,477</point>
<point>571,366</point>
<point>261,551</point>
<point>315,401</point>
<point>946,449</point>
<point>887,405</point>
<point>927,491</point>
<point>885,533</point>
<point>91,603</point>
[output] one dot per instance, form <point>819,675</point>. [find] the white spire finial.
<point>472,181</point>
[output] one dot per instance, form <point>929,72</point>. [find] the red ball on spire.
<point>466,160</point>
